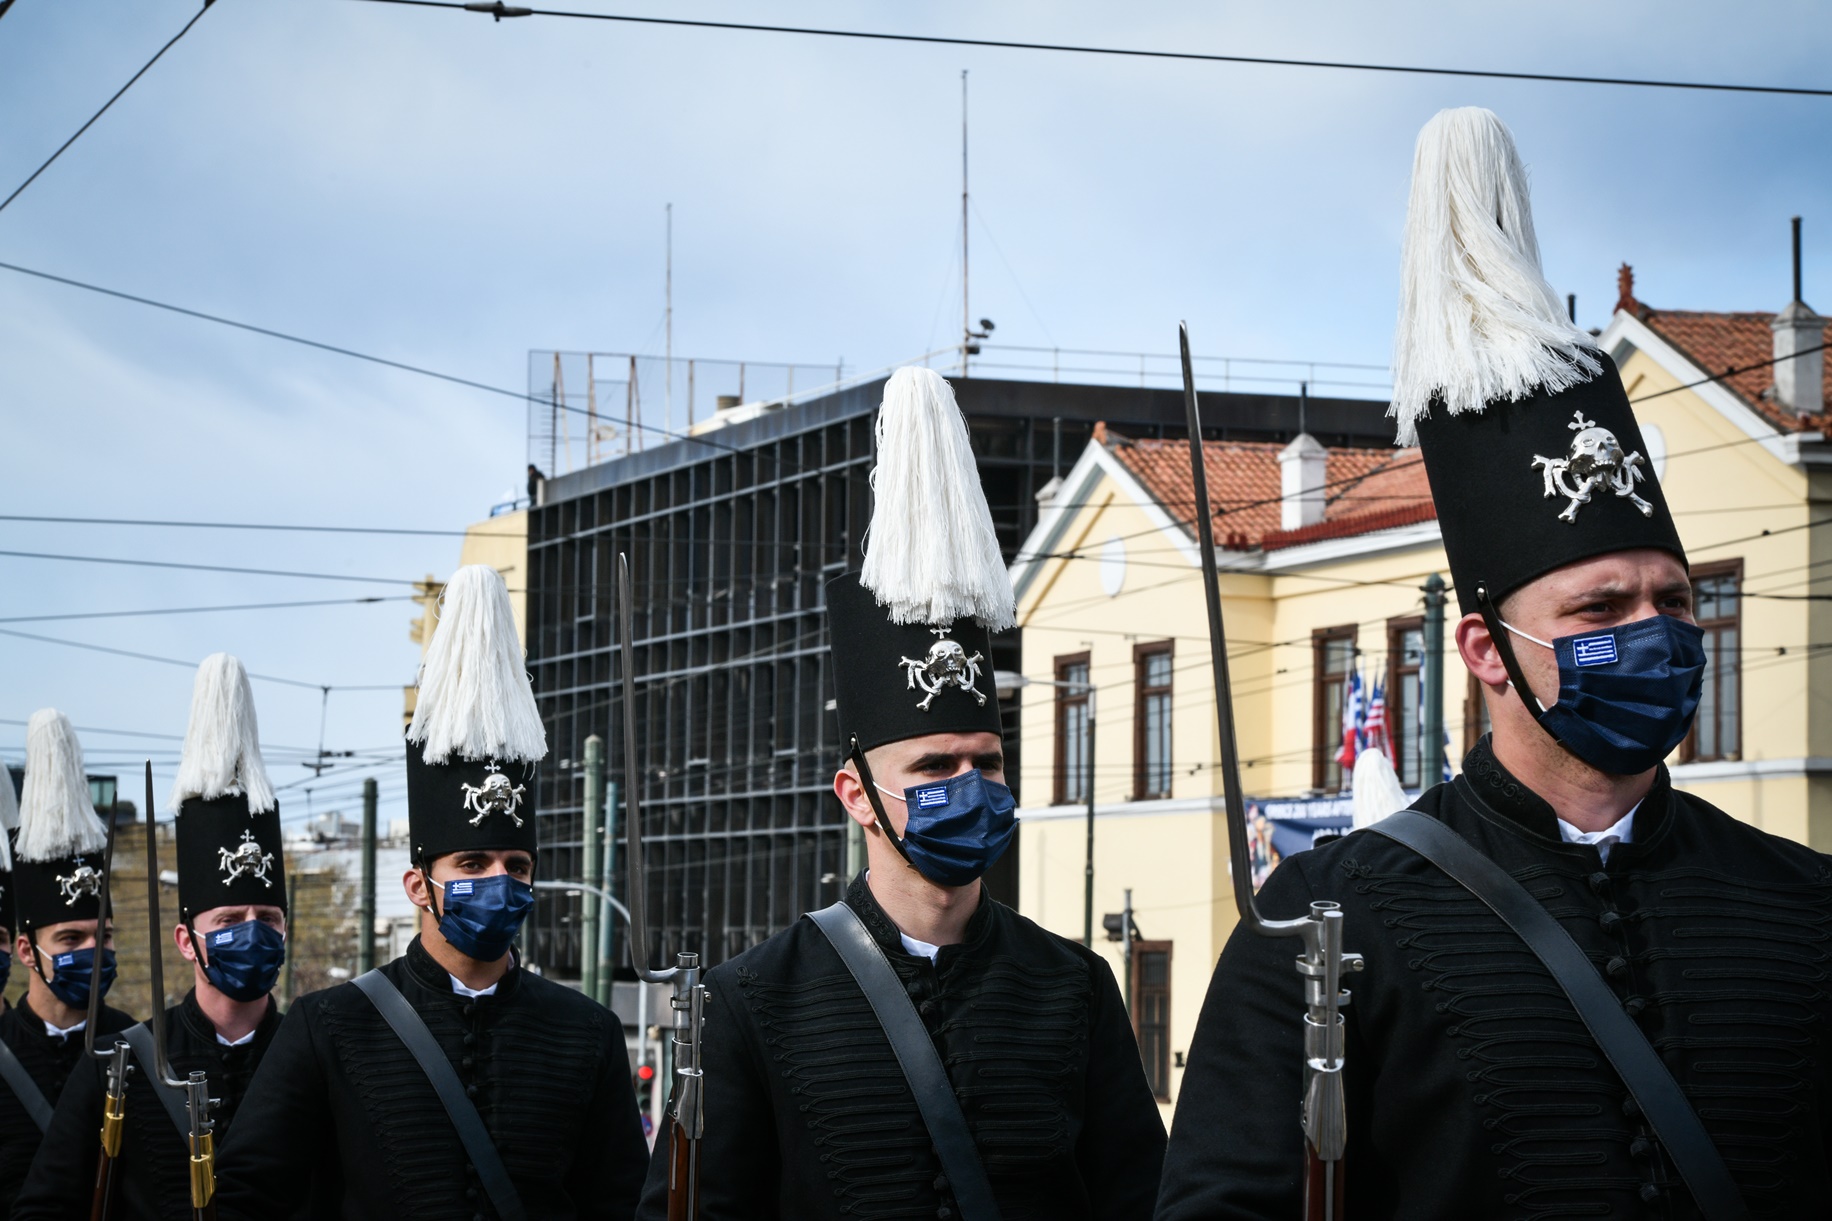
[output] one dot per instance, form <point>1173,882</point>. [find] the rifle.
<point>684,1121</point>
<point>200,1141</point>
<point>1323,961</point>
<point>118,1058</point>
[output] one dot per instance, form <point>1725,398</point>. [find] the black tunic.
<point>152,1173</point>
<point>809,1117</point>
<point>49,1060</point>
<point>1473,1088</point>
<point>340,1104</point>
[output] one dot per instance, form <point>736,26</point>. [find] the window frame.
<point>1142,654</point>
<point>1326,740</point>
<point>1688,749</point>
<point>1404,732</point>
<point>1160,1088</point>
<point>1066,699</point>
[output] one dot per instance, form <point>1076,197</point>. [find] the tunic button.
<point>470,1091</point>
<point>941,1182</point>
<point>469,1038</point>
<point>1641,1146</point>
<point>1634,1006</point>
<point>1650,1192</point>
<point>1609,920</point>
<point>1599,883</point>
<point>943,1213</point>
<point>1616,966</point>
<point>1630,1107</point>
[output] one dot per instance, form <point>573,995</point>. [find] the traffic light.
<point>644,1078</point>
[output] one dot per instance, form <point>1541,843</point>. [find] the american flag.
<point>1374,735</point>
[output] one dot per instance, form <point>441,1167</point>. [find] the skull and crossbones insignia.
<point>1595,462</point>
<point>247,858</point>
<point>947,665</point>
<point>494,796</point>
<point>86,881</point>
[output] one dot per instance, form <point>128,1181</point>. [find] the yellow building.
<point>1325,552</point>
<point>502,543</point>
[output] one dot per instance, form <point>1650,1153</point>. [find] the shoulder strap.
<point>140,1038</point>
<point>916,1055</point>
<point>30,1096</point>
<point>411,1030</point>
<point>1648,1080</point>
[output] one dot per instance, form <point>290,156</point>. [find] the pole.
<point>605,962</point>
<point>1087,914</point>
<point>1432,693</point>
<point>365,937</point>
<point>594,859</point>
<point>966,312</point>
<point>668,328</point>
<point>1126,944</point>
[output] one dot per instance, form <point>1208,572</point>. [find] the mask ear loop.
<point>38,966</point>
<point>877,804</point>
<point>1504,646</point>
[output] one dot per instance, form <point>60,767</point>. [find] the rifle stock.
<point>1322,1187</point>
<point>683,1172</point>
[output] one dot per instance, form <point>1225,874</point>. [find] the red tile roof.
<point>1716,342</point>
<point>1366,489</point>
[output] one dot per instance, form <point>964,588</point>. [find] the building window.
<point>1072,729</point>
<point>1475,715</point>
<point>1151,1011</point>
<point>1151,668</point>
<point>1332,662</point>
<point>1405,654</point>
<point>1717,603</point>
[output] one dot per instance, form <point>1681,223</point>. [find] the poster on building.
<point>1283,827</point>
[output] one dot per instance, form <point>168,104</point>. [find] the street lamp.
<point>1011,680</point>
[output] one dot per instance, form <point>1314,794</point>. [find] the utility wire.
<point>18,190</point>
<point>192,665</point>
<point>501,10</point>
<point>258,572</point>
<point>194,610</point>
<point>239,525</point>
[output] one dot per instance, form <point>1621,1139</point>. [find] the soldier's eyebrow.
<point>1608,592</point>
<point>993,761</point>
<point>933,760</point>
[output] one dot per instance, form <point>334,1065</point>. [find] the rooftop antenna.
<point>668,326</point>
<point>1303,404</point>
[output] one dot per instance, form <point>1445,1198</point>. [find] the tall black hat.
<point>58,853</point>
<point>228,826</point>
<point>9,824</point>
<point>911,633</point>
<point>1532,450</point>
<point>476,739</point>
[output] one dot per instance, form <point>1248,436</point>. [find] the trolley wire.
<point>501,10</point>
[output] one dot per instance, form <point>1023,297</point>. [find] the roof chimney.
<point>1800,334</point>
<point>1302,472</point>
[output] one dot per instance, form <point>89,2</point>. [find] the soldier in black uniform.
<point>544,1073</point>
<point>808,1115</point>
<point>232,928</point>
<point>1473,1087</point>
<point>57,879</point>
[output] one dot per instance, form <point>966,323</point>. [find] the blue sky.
<point>450,191</point>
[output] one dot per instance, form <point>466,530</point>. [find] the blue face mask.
<point>1627,694</point>
<point>957,827</point>
<point>6,968</point>
<point>73,975</point>
<point>482,915</point>
<point>243,961</point>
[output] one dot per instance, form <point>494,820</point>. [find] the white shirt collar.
<point>921,949</point>
<point>1621,832</point>
<point>64,1032</point>
<point>245,1039</point>
<point>470,993</point>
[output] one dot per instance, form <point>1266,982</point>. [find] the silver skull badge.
<point>86,881</point>
<point>1594,462</point>
<point>494,796</point>
<point>947,665</point>
<point>246,858</point>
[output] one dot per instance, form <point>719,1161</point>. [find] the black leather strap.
<point>1649,1082</point>
<point>916,1055</point>
<point>411,1030</point>
<point>140,1038</point>
<point>24,1088</point>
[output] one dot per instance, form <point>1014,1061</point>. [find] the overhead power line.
<point>241,525</point>
<point>18,190</point>
<point>258,572</point>
<point>500,10</point>
<point>192,665</point>
<point>199,610</point>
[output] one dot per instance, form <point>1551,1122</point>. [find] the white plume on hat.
<point>56,816</point>
<point>931,555</point>
<point>222,742</point>
<point>1477,320</point>
<point>474,699</point>
<point>1377,789</point>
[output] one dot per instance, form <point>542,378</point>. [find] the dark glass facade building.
<point>731,537</point>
